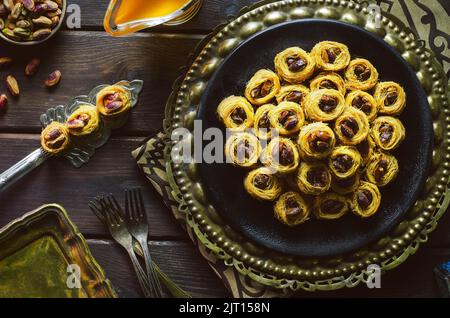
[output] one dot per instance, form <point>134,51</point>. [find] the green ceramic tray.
<point>35,252</point>
<point>282,270</point>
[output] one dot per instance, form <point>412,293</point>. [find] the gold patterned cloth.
<point>427,18</point>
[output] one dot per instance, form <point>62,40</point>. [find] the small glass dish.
<point>123,17</point>
<point>54,30</point>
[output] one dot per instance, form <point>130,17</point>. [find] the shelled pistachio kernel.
<point>5,61</point>
<point>42,21</point>
<point>29,5</point>
<point>12,85</point>
<point>53,79</point>
<point>16,11</point>
<point>32,67</point>
<point>3,102</point>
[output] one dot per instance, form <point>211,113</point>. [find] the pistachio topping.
<point>327,103</point>
<point>349,127</point>
<point>364,199</point>
<point>262,90</point>
<point>317,177</point>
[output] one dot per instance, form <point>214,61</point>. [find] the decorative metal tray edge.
<point>284,271</point>
<point>99,285</point>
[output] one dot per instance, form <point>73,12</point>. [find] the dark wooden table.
<point>88,57</point>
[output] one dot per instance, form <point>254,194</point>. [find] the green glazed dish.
<point>35,253</point>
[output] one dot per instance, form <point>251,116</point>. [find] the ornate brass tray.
<point>283,270</point>
<point>40,251</point>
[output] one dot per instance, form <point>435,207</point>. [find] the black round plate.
<point>224,184</point>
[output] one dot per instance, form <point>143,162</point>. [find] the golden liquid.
<point>133,10</point>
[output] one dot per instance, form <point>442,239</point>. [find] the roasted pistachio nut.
<point>53,79</point>
<point>41,34</point>
<point>32,67</point>
<point>3,102</point>
<point>16,11</point>
<point>55,138</point>
<point>24,24</point>
<point>29,5</point>
<point>9,4</point>
<point>51,5</point>
<point>12,85</point>
<point>55,21</point>
<point>41,8</point>
<point>42,21</point>
<point>5,61</point>
<point>23,33</point>
<point>10,34</point>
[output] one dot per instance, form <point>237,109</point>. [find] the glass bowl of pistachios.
<point>30,22</point>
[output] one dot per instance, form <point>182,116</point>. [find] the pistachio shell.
<point>23,33</point>
<point>51,5</point>
<point>17,10</point>
<point>41,34</point>
<point>10,34</point>
<point>42,21</point>
<point>25,24</point>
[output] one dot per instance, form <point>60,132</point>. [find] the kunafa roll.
<point>294,65</point>
<point>83,121</point>
<point>316,140</point>
<point>263,184</point>
<point>293,93</point>
<point>331,56</point>
<point>324,105</point>
<point>352,127</point>
<point>236,113</point>
<point>364,102</point>
<point>344,161</point>
<point>287,118</point>
<point>382,169</point>
<point>261,125</point>
<point>262,87</point>
<point>390,98</point>
<point>366,199</point>
<point>387,132</point>
<point>361,75</point>
<point>113,101</point>
<point>281,155</point>
<point>313,178</point>
<point>328,80</point>
<point>243,150</point>
<point>292,209</point>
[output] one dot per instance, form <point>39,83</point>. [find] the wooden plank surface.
<point>88,59</point>
<point>184,265</point>
<point>180,260</point>
<point>110,171</point>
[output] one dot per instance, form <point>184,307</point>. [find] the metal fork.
<point>136,220</point>
<point>110,212</point>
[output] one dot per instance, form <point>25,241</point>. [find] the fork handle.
<point>152,276</point>
<point>140,274</point>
